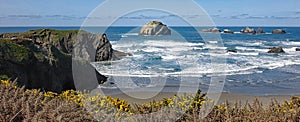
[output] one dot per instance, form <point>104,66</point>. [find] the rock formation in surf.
<point>276,50</point>
<point>248,30</point>
<point>278,31</point>
<point>260,31</point>
<point>212,30</point>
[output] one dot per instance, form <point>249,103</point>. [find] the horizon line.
<point>142,25</point>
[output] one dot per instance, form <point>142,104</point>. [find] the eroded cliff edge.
<point>43,58</point>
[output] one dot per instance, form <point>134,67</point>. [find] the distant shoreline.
<point>140,26</point>
<point>20,29</point>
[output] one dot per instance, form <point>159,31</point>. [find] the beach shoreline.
<point>225,97</point>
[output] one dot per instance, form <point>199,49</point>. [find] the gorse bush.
<point>18,104</point>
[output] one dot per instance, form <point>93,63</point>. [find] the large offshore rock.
<point>155,28</point>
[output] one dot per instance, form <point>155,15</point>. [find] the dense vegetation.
<point>13,52</point>
<point>18,104</point>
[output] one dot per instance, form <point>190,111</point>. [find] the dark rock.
<point>232,51</point>
<point>248,30</point>
<point>278,31</point>
<point>276,50</point>
<point>228,31</point>
<point>43,58</point>
<point>155,28</point>
<point>260,31</point>
<point>297,49</point>
<point>104,50</point>
<point>212,30</point>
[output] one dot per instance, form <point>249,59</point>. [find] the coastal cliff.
<point>43,58</point>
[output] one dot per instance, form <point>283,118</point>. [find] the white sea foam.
<point>293,43</point>
<point>153,49</point>
<point>214,47</point>
<point>247,43</point>
<point>169,43</point>
<point>247,54</point>
<point>131,34</point>
<point>170,57</point>
<point>251,49</point>
<point>213,42</point>
<point>290,50</point>
<point>193,61</point>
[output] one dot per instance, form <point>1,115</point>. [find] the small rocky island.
<point>246,30</point>
<point>155,28</point>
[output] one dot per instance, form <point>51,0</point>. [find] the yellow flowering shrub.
<point>7,83</point>
<point>103,107</point>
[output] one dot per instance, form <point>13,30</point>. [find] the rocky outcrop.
<point>276,50</point>
<point>260,31</point>
<point>297,49</point>
<point>228,31</point>
<point>43,58</point>
<point>248,30</point>
<point>232,51</point>
<point>212,30</point>
<point>155,28</point>
<point>278,31</point>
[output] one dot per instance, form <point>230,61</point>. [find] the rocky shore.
<point>246,30</point>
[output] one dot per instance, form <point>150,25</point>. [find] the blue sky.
<point>223,12</point>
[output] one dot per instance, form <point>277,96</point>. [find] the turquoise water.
<point>184,60</point>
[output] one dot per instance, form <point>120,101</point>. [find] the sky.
<point>75,12</point>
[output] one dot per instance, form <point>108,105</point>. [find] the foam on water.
<point>291,43</point>
<point>251,49</point>
<point>170,43</point>
<point>173,51</point>
<point>176,59</point>
<point>248,54</point>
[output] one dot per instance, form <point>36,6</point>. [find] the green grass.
<point>14,52</point>
<point>4,77</point>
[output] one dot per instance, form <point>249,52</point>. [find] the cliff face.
<point>43,58</point>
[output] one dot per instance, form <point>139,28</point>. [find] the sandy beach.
<point>224,97</point>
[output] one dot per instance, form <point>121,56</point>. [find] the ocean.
<point>183,60</point>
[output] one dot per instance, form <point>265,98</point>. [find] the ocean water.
<point>184,60</point>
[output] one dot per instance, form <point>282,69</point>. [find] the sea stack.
<point>278,31</point>
<point>212,30</point>
<point>228,31</point>
<point>260,31</point>
<point>155,28</point>
<point>248,30</point>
